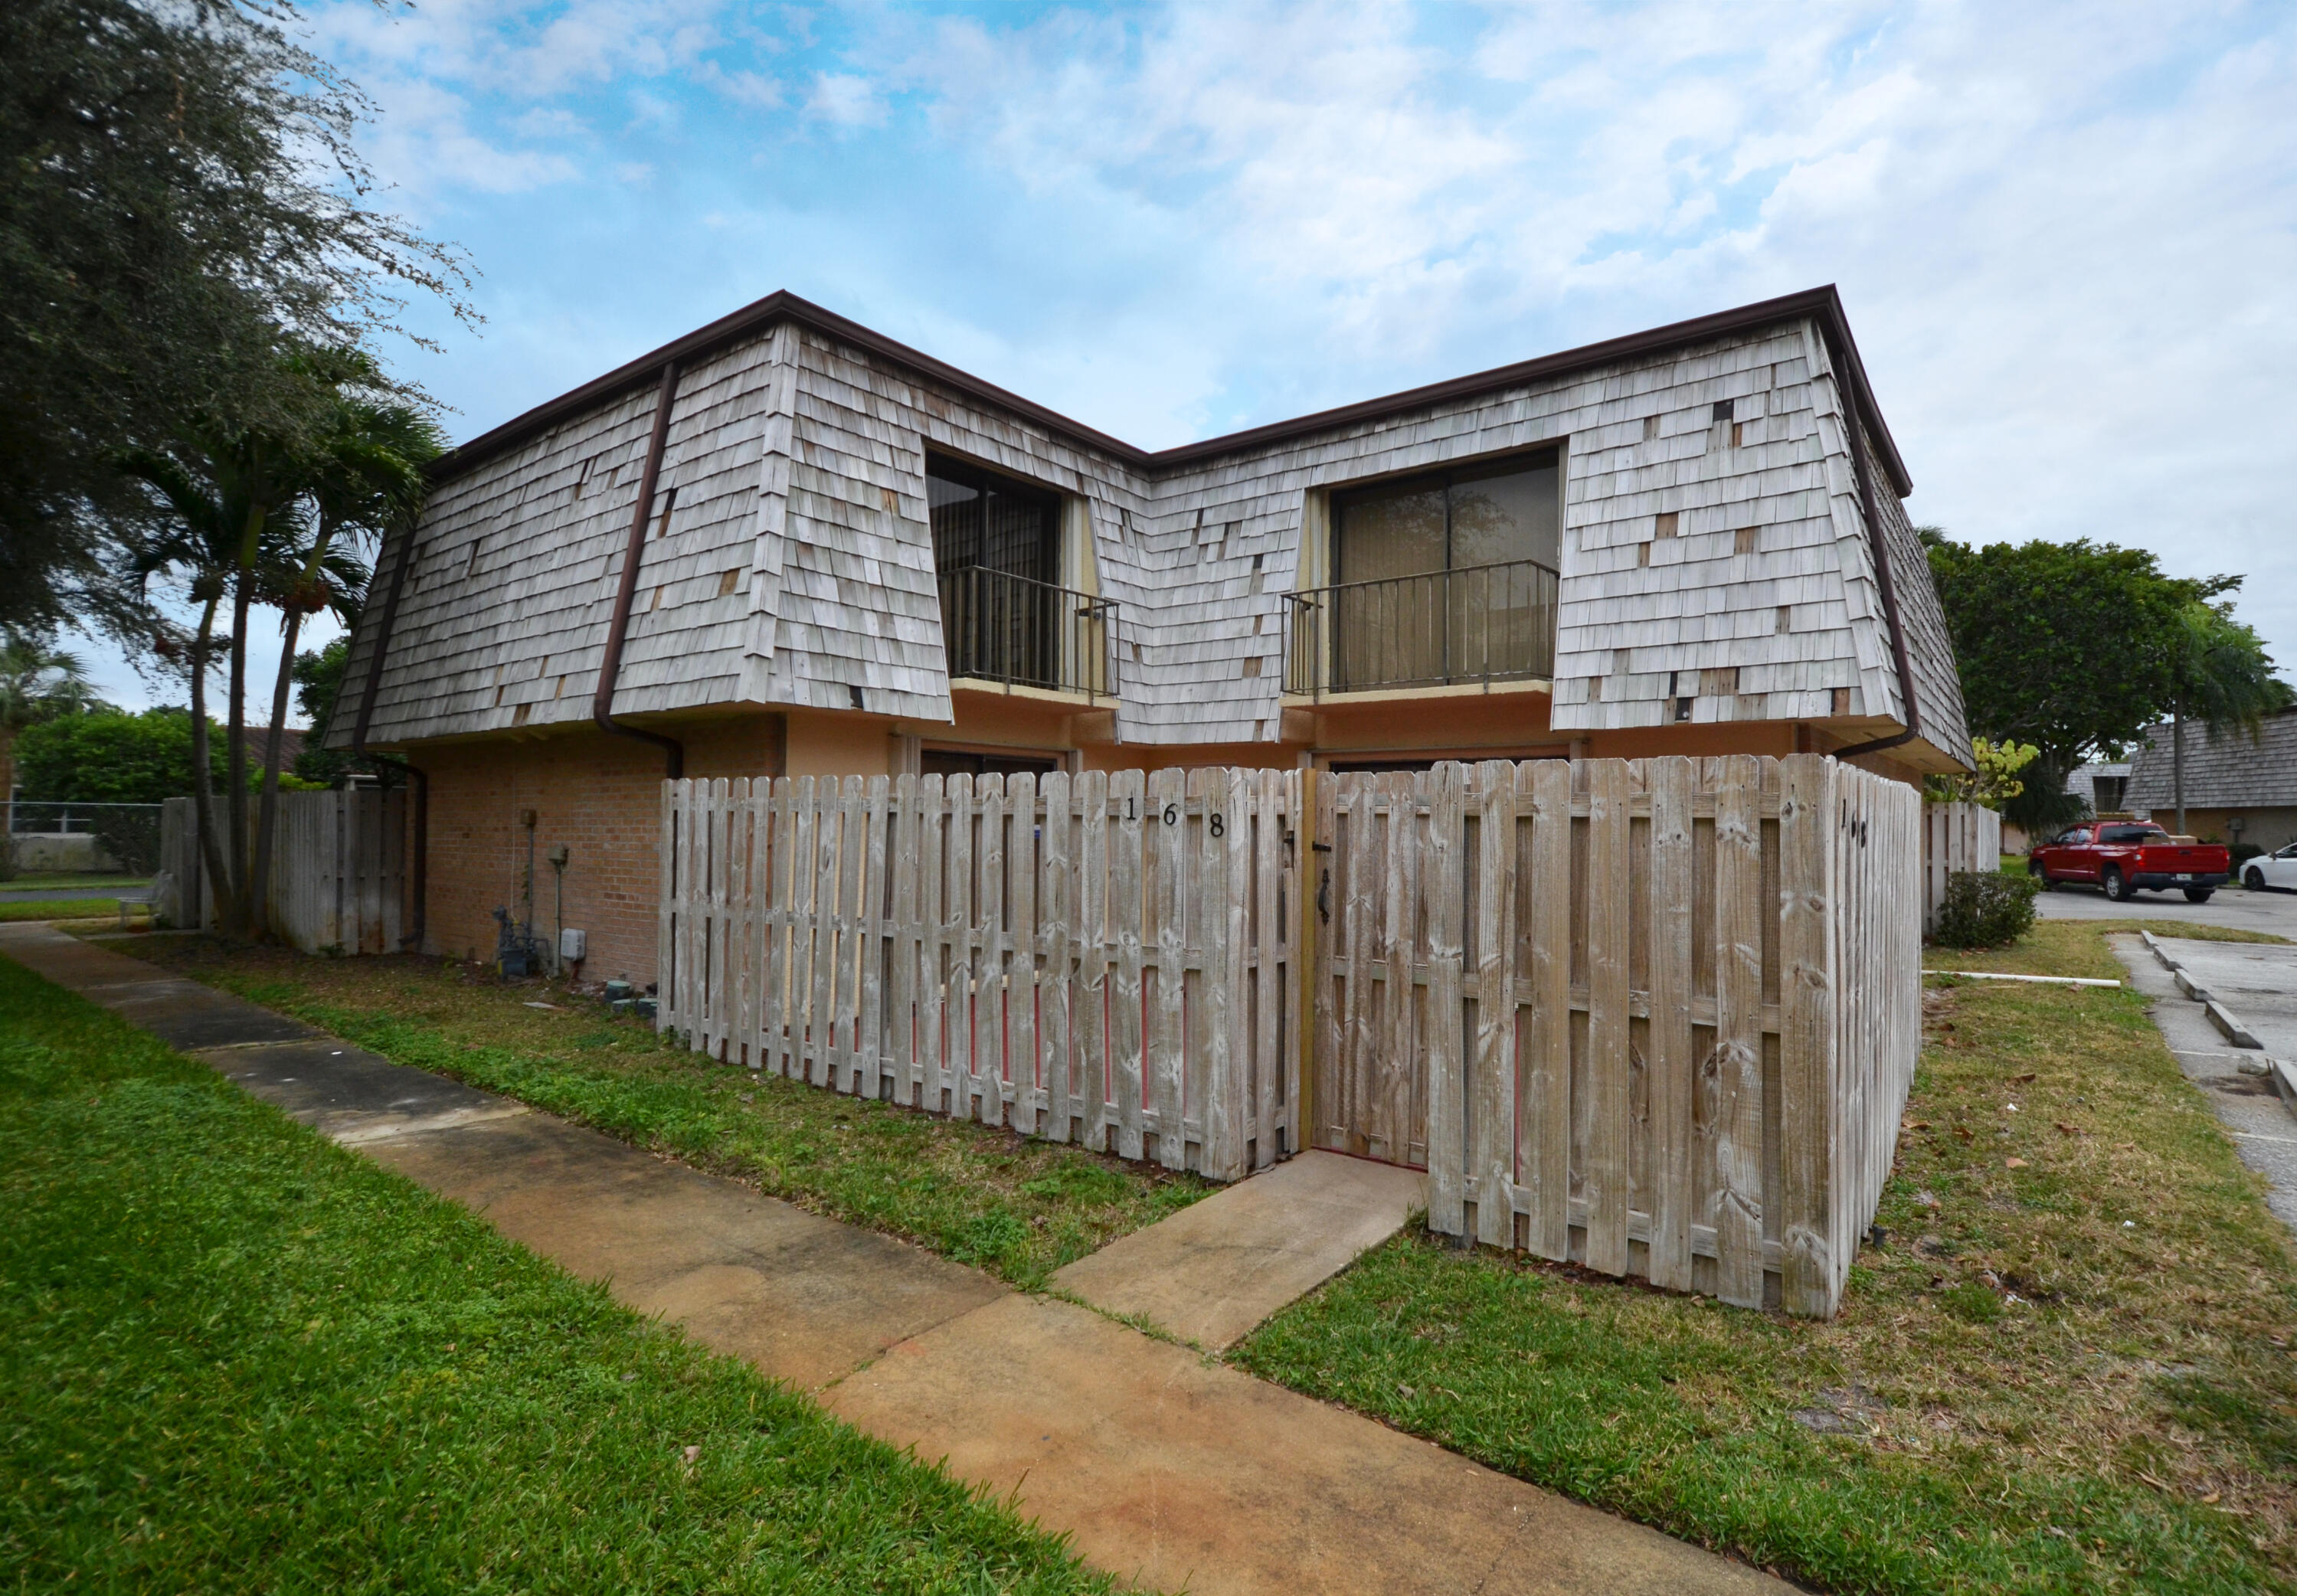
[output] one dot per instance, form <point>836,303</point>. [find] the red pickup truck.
<point>2131,856</point>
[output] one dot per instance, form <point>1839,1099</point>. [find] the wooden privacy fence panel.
<point>1104,958</point>
<point>1656,1018</point>
<point>1955,837</point>
<point>337,876</point>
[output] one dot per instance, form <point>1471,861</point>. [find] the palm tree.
<point>232,507</point>
<point>37,683</point>
<point>2224,679</point>
<point>364,477</point>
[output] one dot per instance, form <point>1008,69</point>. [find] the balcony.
<point>1474,626</point>
<point>1020,633</point>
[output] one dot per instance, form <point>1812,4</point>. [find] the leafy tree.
<point>108,757</point>
<point>2073,648</point>
<point>1993,784</point>
<point>180,201</point>
<point>37,683</point>
<point>318,688</point>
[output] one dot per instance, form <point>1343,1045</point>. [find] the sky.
<point>2066,236</point>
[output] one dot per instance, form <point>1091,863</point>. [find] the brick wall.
<point>599,795</point>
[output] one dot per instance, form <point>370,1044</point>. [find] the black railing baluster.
<point>1021,632</point>
<point>1479,624</point>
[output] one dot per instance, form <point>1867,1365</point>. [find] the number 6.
<point>1172,814</point>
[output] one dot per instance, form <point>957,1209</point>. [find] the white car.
<point>2272,870</point>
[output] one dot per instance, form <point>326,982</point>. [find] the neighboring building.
<point>853,559</point>
<point>2104,787</point>
<point>2236,790</point>
<point>2101,787</point>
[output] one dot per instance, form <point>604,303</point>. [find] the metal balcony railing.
<point>1013,629</point>
<point>1485,623</point>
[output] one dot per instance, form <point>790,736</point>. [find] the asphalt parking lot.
<point>2236,906</point>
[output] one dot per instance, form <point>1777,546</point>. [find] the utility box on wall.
<point>573,944</point>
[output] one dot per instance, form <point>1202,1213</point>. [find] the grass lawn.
<point>1017,1207</point>
<point>2070,1368</point>
<point>60,909</point>
<point>236,1357</point>
<point>66,882</point>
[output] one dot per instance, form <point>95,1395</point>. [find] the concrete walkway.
<point>2249,1106</point>
<point>1164,1464</point>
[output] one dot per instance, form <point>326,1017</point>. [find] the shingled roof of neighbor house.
<point>793,562</point>
<point>2228,771</point>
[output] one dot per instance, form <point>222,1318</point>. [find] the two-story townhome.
<point>786,545</point>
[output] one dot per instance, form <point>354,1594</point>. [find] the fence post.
<point>1808,824</point>
<point>1307,962</point>
<point>1447,1117</point>
<point>1491,1109</point>
<point>1670,1066</point>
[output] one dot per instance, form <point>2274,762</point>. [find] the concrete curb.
<point>2225,1020</point>
<point>2284,1076</point>
<point>2222,1017</point>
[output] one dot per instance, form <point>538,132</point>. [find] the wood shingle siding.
<point>796,456</point>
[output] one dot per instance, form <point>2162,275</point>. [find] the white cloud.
<point>843,100</point>
<point>2064,233</point>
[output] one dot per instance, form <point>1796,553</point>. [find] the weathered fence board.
<point>1101,958</point>
<point>1681,1032</point>
<point>337,873</point>
<point>1955,837</point>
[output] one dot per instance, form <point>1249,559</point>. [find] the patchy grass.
<point>236,1357</point>
<point>2069,1368</point>
<point>64,908</point>
<point>2078,947</point>
<point>1017,1207</point>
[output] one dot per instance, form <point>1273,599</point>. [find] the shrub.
<point>1984,910</point>
<point>109,758</point>
<point>130,837</point>
<point>2243,852</point>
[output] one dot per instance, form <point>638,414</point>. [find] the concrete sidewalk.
<point>2251,1110</point>
<point>1164,1464</point>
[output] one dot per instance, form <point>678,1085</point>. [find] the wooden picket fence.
<point>1658,1018</point>
<point>338,879</point>
<point>1955,837</point>
<point>1104,959</point>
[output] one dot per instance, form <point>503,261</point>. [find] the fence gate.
<point>1656,1018</point>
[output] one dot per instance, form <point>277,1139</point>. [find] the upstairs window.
<point>1494,514</point>
<point>1447,578</point>
<point>982,519</point>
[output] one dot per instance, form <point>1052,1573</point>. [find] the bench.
<point>148,897</point>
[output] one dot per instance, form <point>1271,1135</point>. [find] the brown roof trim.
<point>1822,304</point>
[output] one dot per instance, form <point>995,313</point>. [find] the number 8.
<point>1214,821</point>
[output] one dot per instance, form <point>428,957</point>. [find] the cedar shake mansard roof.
<point>794,566</point>
<point>2227,772</point>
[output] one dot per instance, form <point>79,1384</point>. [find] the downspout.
<point>1864,470</point>
<point>610,670</point>
<point>415,777</point>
